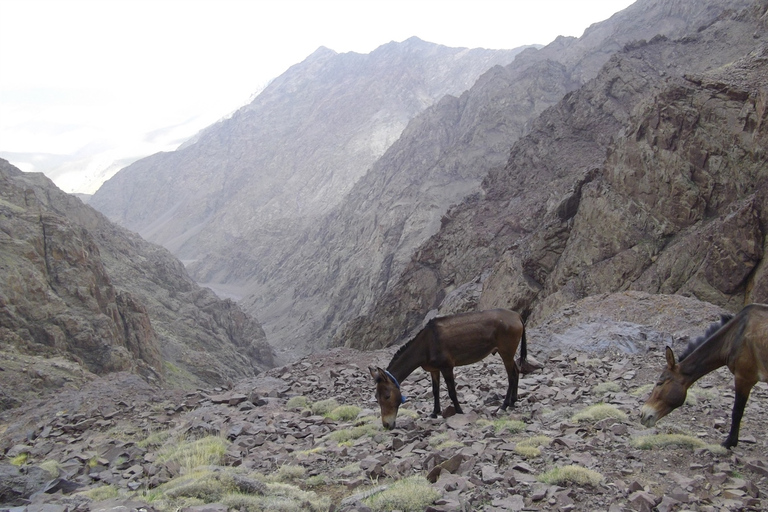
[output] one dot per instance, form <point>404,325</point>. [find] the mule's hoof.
<point>434,415</point>
<point>728,444</point>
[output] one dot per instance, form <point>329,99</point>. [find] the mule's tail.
<point>523,364</point>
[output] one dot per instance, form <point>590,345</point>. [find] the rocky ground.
<point>105,445</point>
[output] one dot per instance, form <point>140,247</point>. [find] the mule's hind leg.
<point>742,395</point>
<point>451,383</point>
<point>513,376</point>
<point>436,393</point>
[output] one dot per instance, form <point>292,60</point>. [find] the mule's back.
<point>470,337</point>
<point>753,357</point>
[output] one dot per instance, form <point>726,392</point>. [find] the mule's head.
<point>388,395</point>
<point>668,394</point>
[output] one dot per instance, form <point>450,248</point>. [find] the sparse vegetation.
<point>52,467</point>
<point>350,434</point>
<point>599,412</point>
<point>20,459</point>
<point>104,492</point>
<point>412,494</point>
<point>297,402</point>
<point>155,439</point>
<point>607,387</point>
<point>288,473</point>
<point>191,454</point>
<point>344,413</point>
<point>324,407</point>
<point>503,425</point>
<point>530,448</point>
<point>655,441</point>
<point>571,474</point>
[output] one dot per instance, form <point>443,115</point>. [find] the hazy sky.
<point>87,83</point>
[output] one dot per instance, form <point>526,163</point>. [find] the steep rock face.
<point>307,289</point>
<point>293,153</point>
<point>56,295</point>
<point>560,221</point>
<point>75,284</point>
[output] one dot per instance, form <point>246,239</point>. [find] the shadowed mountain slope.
<point>78,286</point>
<point>339,267</point>
<point>651,177</point>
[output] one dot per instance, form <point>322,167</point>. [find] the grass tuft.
<point>503,425</point>
<point>344,413</point>
<point>52,467</point>
<point>297,402</point>
<point>599,412</point>
<point>412,494</point>
<point>324,407</point>
<point>530,448</point>
<point>607,387</point>
<point>350,434</point>
<point>205,451</point>
<point>288,473</point>
<point>651,442</point>
<point>105,492</point>
<point>571,474</point>
<point>20,459</point>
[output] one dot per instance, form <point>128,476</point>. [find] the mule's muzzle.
<point>648,416</point>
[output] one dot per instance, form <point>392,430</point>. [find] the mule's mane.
<point>405,345</point>
<point>712,329</point>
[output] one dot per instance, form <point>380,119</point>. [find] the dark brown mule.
<point>741,344</point>
<point>451,341</point>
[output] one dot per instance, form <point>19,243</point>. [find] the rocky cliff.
<point>77,287</point>
<point>652,177</point>
<point>341,266</point>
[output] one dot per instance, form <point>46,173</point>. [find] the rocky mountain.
<point>342,265</point>
<point>651,177</point>
<point>77,288</point>
<point>292,154</point>
<point>360,268</point>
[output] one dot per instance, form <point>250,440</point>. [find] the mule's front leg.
<point>738,411</point>
<point>451,383</point>
<point>436,393</point>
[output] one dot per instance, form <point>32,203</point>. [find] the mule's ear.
<point>376,373</point>
<point>670,358</point>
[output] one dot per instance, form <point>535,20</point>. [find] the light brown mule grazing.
<point>451,341</point>
<point>741,344</point>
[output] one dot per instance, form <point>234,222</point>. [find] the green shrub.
<point>503,425</point>
<point>324,407</point>
<point>298,402</point>
<point>607,387</point>
<point>350,434</point>
<point>529,448</point>
<point>650,442</point>
<point>52,467</point>
<point>278,498</point>
<point>195,453</point>
<point>105,492</point>
<point>344,413</point>
<point>571,474</point>
<point>412,494</point>
<point>20,459</point>
<point>289,472</point>
<point>599,412</point>
<point>155,439</point>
